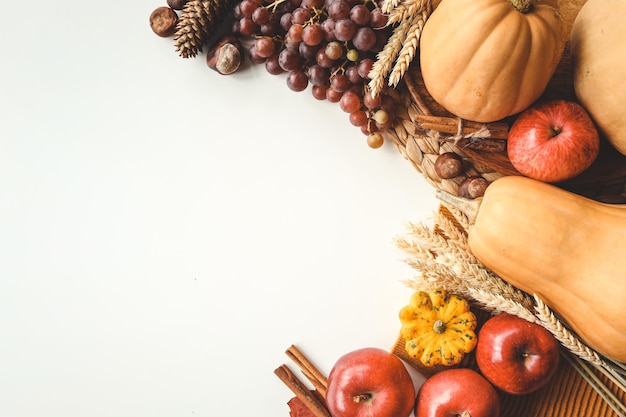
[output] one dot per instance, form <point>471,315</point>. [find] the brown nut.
<point>448,165</point>
<point>177,4</point>
<point>473,187</point>
<point>163,21</point>
<point>226,56</point>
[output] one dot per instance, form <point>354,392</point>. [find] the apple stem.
<point>465,414</point>
<point>523,6</point>
<point>361,397</point>
<point>556,130</point>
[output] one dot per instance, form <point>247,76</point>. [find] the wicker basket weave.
<point>570,393</point>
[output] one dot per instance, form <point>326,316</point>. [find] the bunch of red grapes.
<point>329,45</point>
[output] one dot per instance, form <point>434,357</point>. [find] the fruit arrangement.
<point>512,110</point>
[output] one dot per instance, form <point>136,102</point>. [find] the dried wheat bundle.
<point>408,18</point>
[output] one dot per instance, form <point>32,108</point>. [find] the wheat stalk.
<point>385,58</point>
<point>563,335</point>
<point>405,10</point>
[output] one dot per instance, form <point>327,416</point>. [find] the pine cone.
<point>201,21</point>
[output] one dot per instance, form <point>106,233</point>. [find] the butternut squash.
<point>567,249</point>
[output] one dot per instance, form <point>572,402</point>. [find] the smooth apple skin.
<point>370,382</point>
<point>515,355</point>
<point>457,392</point>
<point>553,141</point>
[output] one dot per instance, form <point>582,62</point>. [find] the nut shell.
<point>163,21</point>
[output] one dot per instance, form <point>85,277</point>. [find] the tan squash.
<point>569,250</point>
<point>598,50</point>
<point>484,60</point>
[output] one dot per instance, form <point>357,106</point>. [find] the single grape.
<point>308,52</point>
<point>350,102</point>
<point>378,19</point>
<point>272,66</point>
<point>364,39</point>
<point>334,50</point>
<point>360,15</point>
<point>372,102</point>
<point>300,16</point>
<point>297,81</point>
<point>295,32</point>
<point>319,91</point>
<point>358,118</point>
<point>381,117</point>
<point>312,34</point>
<point>265,46</point>
<point>328,26</point>
<point>339,9</point>
<point>365,66</point>
<point>289,59</point>
<point>375,140</point>
<point>248,7</point>
<point>247,27</point>
<point>352,55</point>
<point>344,30</point>
<point>318,75</point>
<point>260,16</point>
<point>254,56</point>
<point>332,95</point>
<point>285,21</point>
<point>322,59</point>
<point>339,82</point>
<point>272,28</point>
<point>352,72</point>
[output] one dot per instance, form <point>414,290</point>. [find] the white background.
<point>167,232</point>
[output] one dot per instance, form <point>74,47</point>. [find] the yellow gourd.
<point>438,328</point>
<point>567,249</point>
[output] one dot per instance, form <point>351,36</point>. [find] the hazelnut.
<point>473,187</point>
<point>226,56</point>
<point>163,21</point>
<point>448,165</point>
<point>177,4</point>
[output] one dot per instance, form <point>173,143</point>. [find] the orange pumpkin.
<point>484,60</point>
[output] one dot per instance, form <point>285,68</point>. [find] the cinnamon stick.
<point>301,391</point>
<point>316,377</point>
<point>450,125</point>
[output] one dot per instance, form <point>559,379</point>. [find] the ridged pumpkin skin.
<point>598,49</point>
<point>483,60</point>
<point>569,250</point>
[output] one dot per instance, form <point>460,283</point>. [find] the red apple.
<point>458,392</point>
<point>515,355</point>
<point>370,382</point>
<point>553,141</point>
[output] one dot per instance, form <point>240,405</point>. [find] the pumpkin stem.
<point>465,205</point>
<point>523,6</point>
<point>439,326</point>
